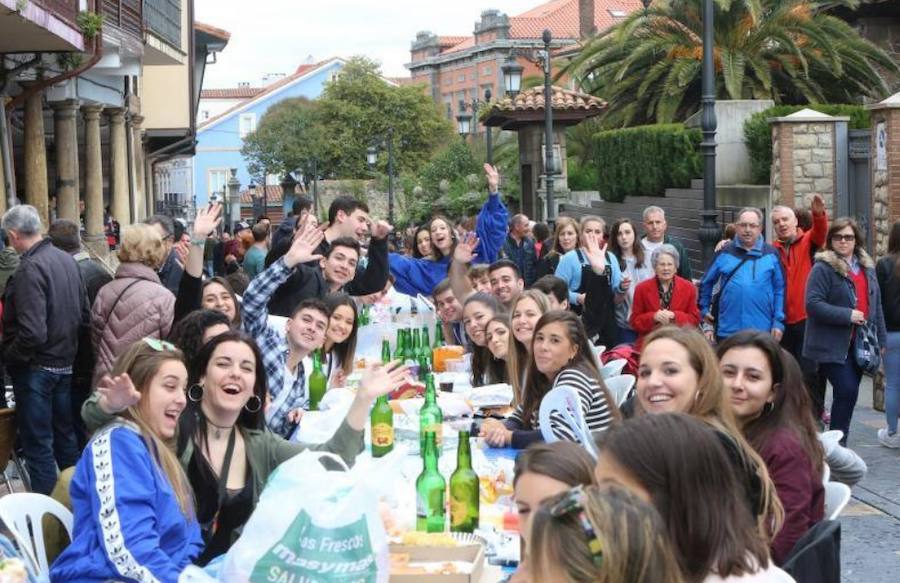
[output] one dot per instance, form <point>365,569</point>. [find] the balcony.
<point>40,25</point>
<point>162,25</point>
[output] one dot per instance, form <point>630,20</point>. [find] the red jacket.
<point>646,304</point>
<point>797,260</point>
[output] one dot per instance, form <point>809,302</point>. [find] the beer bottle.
<point>464,489</point>
<point>426,343</point>
<point>409,354</point>
<point>399,348</point>
<point>431,419</point>
<point>416,344</point>
<point>438,334</point>
<point>382,419</point>
<point>424,367</point>
<point>385,351</point>
<point>430,490</point>
<point>318,384</point>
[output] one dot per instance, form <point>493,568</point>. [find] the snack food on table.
<point>428,539</point>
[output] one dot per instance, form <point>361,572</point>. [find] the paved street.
<point>871,523</point>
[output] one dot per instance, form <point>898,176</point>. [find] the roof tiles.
<point>562,99</point>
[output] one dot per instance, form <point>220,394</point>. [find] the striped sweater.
<point>594,409</point>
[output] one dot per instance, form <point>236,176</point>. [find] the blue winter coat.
<point>128,524</point>
<point>419,276</point>
<point>828,306</point>
<point>754,296</point>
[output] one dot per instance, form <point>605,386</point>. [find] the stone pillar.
<point>120,195</point>
<point>65,132</point>
<point>805,159</point>
<point>885,168</point>
<point>149,187</point>
<point>36,190</point>
<point>93,183</point>
<point>140,201</point>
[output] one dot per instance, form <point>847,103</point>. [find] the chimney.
<point>586,18</point>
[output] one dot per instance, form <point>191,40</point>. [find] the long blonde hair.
<point>633,545</point>
<point>142,362</point>
<point>517,355</point>
<point>712,405</point>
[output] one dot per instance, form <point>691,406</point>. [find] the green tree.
<point>356,111</point>
<point>288,137</point>
<point>792,51</point>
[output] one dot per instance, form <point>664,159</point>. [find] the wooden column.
<point>36,189</point>
<point>93,196</point>
<point>66,138</point>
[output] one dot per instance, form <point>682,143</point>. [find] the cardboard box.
<point>469,553</point>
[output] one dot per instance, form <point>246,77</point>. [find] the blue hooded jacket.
<point>128,524</point>
<point>419,276</point>
<point>754,296</point>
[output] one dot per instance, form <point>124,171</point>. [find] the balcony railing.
<point>64,9</point>
<point>163,18</point>
<point>124,14</point>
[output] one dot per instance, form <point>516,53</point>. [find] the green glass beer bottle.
<point>424,367</point>
<point>318,384</point>
<point>416,344</point>
<point>464,489</point>
<point>431,419</point>
<point>438,335</point>
<point>426,343</point>
<point>430,490</point>
<point>385,351</point>
<point>382,419</point>
<point>399,348</point>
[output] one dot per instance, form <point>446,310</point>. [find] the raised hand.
<point>465,249</point>
<point>303,248</point>
<point>817,204</point>
<point>381,230</point>
<point>381,380</point>
<point>493,178</point>
<point>595,253</point>
<point>116,394</point>
<point>182,250</point>
<point>208,218</point>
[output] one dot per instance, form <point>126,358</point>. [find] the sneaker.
<point>891,440</point>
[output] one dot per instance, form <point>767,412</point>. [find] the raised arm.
<point>493,220</point>
<point>463,255</point>
<point>374,277</point>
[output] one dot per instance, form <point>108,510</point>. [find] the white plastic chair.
<point>619,387</point>
<point>837,496</point>
<point>612,368</point>
<point>565,402</point>
<point>826,472</point>
<point>23,514</point>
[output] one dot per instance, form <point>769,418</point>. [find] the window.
<point>616,13</point>
<point>486,71</point>
<point>217,179</point>
<point>247,124</point>
<point>461,78</point>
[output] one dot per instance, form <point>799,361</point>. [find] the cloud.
<point>274,36</point>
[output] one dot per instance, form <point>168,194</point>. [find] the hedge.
<point>645,160</point>
<point>758,132</point>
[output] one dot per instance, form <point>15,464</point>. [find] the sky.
<point>275,36</point>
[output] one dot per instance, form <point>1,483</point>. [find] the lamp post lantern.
<point>549,162</point>
<point>372,158</point>
<point>463,122</point>
<point>709,229</point>
<point>512,75</point>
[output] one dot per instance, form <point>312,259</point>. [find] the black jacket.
<point>307,280</point>
<point>889,282</point>
<point>45,304</point>
<point>93,274</point>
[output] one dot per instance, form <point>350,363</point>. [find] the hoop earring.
<point>256,408</point>
<point>192,393</point>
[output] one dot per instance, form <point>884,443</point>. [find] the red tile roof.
<point>274,194</point>
<point>563,100</point>
<point>449,41</point>
<point>212,30</point>
<point>305,68</point>
<point>231,93</point>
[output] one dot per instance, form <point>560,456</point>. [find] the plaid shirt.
<point>274,347</point>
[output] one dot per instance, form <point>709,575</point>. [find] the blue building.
<point>220,138</point>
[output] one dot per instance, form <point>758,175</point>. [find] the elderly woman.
<point>134,305</point>
<point>665,298</point>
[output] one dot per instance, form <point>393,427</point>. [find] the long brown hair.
<point>637,249</point>
<point>792,408</point>
<point>634,546</point>
<point>682,463</point>
<point>517,356</point>
<point>141,362</point>
<point>224,283</point>
<point>537,384</point>
<point>712,404</point>
<point>564,461</point>
<point>481,356</point>
<point>346,350</point>
<point>562,223</point>
<point>894,246</point>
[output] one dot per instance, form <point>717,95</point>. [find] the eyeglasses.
<point>573,502</point>
<point>159,345</point>
<point>847,238</point>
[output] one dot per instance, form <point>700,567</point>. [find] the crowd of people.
<point>156,401</point>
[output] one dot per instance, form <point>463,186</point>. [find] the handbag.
<point>866,350</point>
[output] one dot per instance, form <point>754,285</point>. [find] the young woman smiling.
<point>565,239</point>
<point>222,442</point>
<point>636,268</point>
<point>131,499</point>
<point>679,373</point>
<point>421,243</point>
<point>477,312</point>
<point>340,339</point>
<point>527,309</point>
<point>497,335</point>
<point>774,411</point>
<point>561,356</point>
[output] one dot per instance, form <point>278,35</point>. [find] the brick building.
<point>460,68</point>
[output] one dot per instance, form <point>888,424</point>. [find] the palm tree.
<point>791,51</point>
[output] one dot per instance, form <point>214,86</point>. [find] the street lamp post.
<point>372,158</point>
<point>512,75</point>
<point>488,130</point>
<point>709,228</point>
<point>549,164</point>
<point>463,121</point>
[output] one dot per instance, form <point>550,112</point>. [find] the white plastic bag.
<point>311,525</point>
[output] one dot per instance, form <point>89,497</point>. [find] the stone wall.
<point>885,164</point>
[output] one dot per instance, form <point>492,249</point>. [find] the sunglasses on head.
<point>159,345</point>
<point>573,502</point>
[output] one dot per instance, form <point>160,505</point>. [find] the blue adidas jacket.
<point>413,276</point>
<point>128,524</point>
<point>753,297</point>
